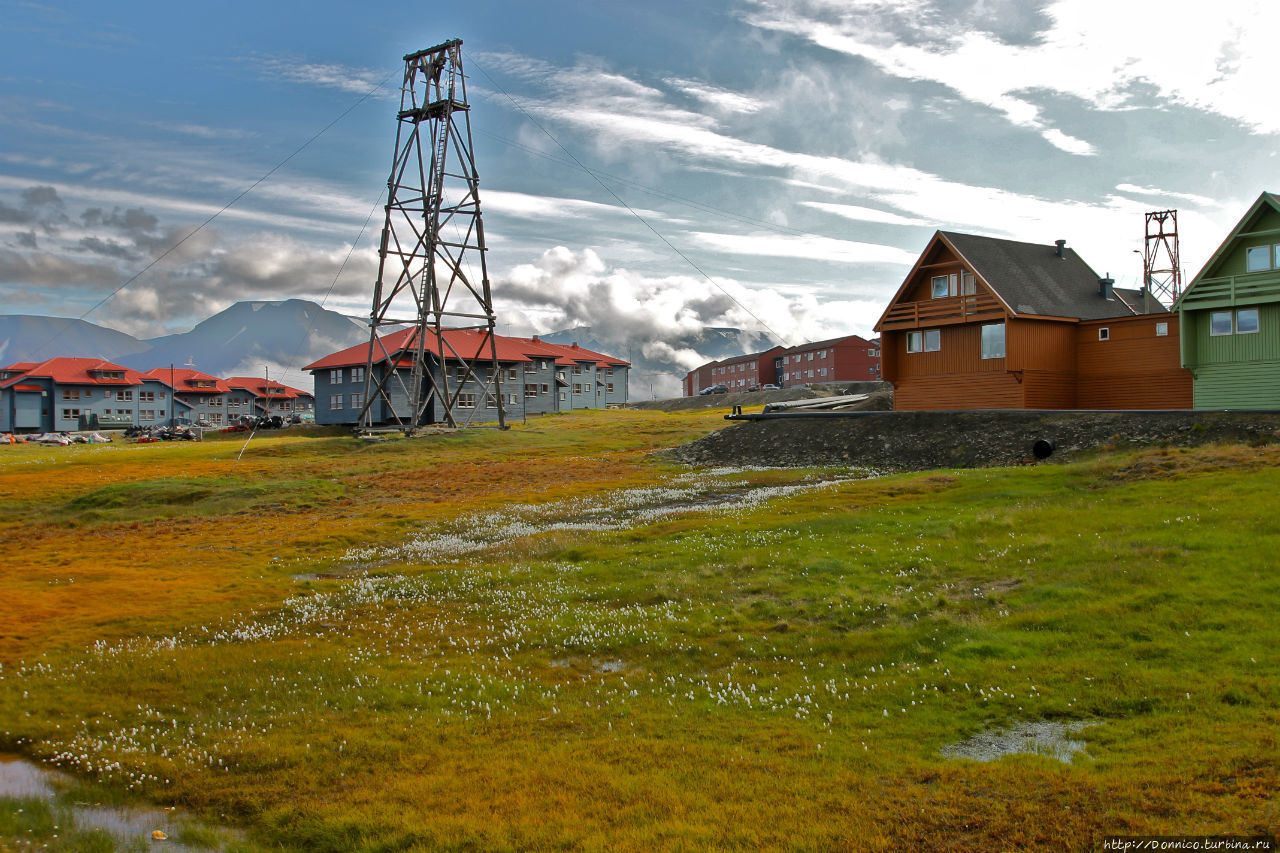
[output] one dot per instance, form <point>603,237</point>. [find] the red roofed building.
<point>534,377</point>
<point>256,395</point>
<point>195,397</point>
<point>70,393</point>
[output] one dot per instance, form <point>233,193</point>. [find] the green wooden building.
<point>1230,316</point>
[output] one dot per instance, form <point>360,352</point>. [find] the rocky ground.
<point>915,441</point>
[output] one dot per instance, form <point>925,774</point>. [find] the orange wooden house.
<point>984,323</point>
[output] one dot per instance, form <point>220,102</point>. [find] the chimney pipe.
<point>1106,288</point>
<point>1062,248</point>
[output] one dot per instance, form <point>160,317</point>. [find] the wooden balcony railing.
<point>1231,290</point>
<point>941,312</point>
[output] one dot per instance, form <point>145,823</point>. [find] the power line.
<point>777,337</point>
<point>228,205</point>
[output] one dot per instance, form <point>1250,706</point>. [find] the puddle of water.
<point>126,824</point>
<point>1052,740</point>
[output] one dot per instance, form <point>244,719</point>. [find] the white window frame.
<point>989,343</point>
<point>465,400</point>
<point>1257,321</point>
<point>1104,334</point>
<point>357,374</point>
<point>335,376</point>
<point>357,400</point>
<point>1219,331</point>
<point>335,402</point>
<point>939,286</point>
<point>1259,258</point>
<point>1162,329</point>
<point>531,389</point>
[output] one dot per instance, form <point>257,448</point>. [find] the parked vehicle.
<point>770,387</point>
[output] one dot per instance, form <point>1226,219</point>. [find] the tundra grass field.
<point>549,638</point>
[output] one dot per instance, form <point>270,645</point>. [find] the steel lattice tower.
<point>431,262</point>
<point>1161,269</point>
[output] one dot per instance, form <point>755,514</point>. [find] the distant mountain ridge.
<point>237,341</point>
<point>251,338</point>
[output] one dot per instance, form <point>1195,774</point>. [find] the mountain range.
<point>251,338</point>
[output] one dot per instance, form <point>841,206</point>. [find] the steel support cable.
<point>233,201</point>
<point>777,337</point>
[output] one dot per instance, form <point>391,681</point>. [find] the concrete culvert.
<point>1043,448</point>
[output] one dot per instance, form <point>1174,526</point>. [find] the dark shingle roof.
<point>1032,279</point>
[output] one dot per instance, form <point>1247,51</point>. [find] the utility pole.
<point>432,275</point>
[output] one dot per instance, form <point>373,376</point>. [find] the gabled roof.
<point>182,379</point>
<point>1264,200</point>
<point>259,387</point>
<point>829,342</point>
<point>77,371</point>
<point>1030,279</point>
<point>470,344</point>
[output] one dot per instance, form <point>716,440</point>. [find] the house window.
<point>939,286</point>
<point>147,414</point>
<point>466,400</point>
<point>146,396</point>
<point>215,418</point>
<point>490,402</point>
<point>563,396</point>
<point>124,395</point>
<point>68,414</point>
<point>335,402</point>
<point>809,356</point>
<point>215,401</point>
<point>1220,323</point>
<point>335,376</point>
<point>357,374</point>
<point>1258,258</point>
<point>993,340</point>
<point>608,388</point>
<point>1246,321</point>
<point>874,353</point>
<point>1104,334</point>
<point>357,401</point>
<point>577,387</point>
<point>968,285</point>
<point>546,389</point>
<point>531,368</point>
<point>511,373</point>
<point>513,400</point>
<point>929,340</point>
<point>531,389</point>
<point>73,393</point>
<point>1162,329</point>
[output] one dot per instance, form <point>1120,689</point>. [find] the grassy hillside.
<point>542,638</point>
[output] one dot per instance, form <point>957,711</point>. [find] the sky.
<point>646,169</point>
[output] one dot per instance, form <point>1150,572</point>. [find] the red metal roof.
<point>180,379</point>
<point>468,343</point>
<point>258,387</point>
<point>78,371</point>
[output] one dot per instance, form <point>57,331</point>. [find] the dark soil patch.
<point>921,441</point>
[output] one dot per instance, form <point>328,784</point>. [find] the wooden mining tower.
<point>1161,268</point>
<point>432,277</point>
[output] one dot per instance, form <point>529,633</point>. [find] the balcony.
<point>942,312</point>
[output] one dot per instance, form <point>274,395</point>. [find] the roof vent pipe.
<point>1106,288</point>
<point>1062,248</point>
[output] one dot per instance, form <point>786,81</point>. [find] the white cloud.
<point>720,100</point>
<point>807,246</point>
<point>865,214</point>
<point>1215,57</point>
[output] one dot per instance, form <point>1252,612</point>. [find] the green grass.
<point>775,674</point>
